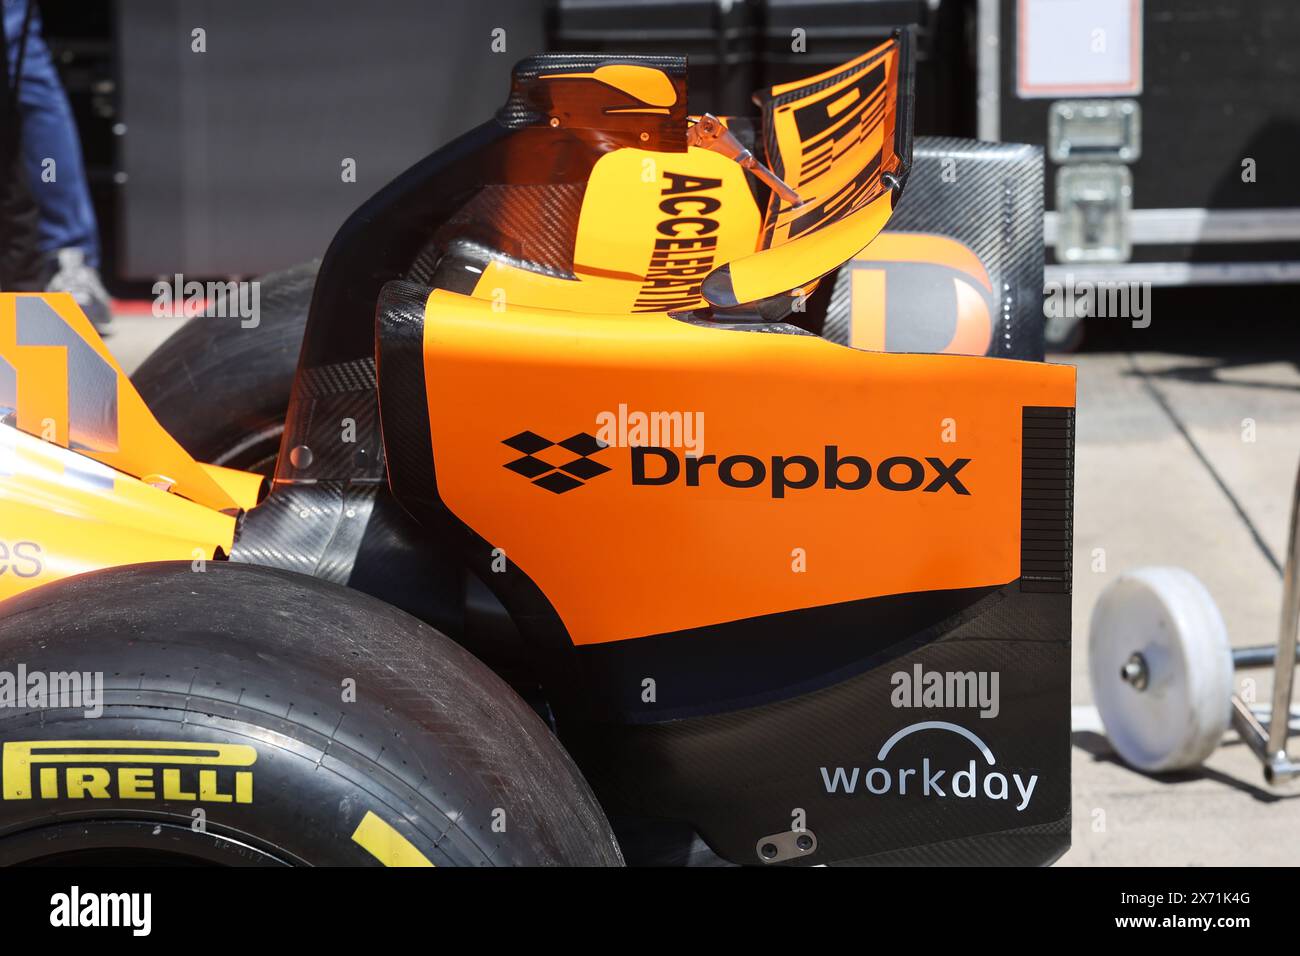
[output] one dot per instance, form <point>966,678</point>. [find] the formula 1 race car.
<point>616,512</point>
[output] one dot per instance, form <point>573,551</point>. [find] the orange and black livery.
<point>715,608</point>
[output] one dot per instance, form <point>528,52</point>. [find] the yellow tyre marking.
<point>378,838</point>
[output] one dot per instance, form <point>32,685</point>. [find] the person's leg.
<point>22,266</point>
<point>56,176</point>
<point>51,146</point>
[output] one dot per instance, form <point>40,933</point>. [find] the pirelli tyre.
<point>220,385</point>
<point>257,716</point>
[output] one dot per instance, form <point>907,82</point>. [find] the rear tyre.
<point>220,389</point>
<point>255,716</point>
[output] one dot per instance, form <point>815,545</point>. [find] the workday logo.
<point>929,780</point>
<point>556,466</point>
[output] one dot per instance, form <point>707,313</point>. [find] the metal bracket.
<point>1270,745</point>
<point>709,132</point>
<point>786,845</point>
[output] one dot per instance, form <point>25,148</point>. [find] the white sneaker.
<point>82,281</point>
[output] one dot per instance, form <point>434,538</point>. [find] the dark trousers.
<point>22,263</point>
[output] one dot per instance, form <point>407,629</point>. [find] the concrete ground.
<point>1165,475</point>
<point>135,334</point>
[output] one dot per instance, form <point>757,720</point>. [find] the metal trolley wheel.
<point>1161,668</point>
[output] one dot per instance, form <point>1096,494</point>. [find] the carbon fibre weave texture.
<point>767,760</point>
<point>332,427</point>
<point>1042,843</point>
<point>314,529</point>
<point>988,196</point>
<point>533,224</point>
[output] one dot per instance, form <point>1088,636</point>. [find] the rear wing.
<point>843,141</point>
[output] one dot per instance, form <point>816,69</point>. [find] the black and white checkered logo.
<point>553,465</point>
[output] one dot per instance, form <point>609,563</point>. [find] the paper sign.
<point>1079,48</point>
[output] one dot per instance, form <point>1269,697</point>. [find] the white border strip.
<point>1179,273</point>
<point>988,72</point>
<point>1174,226</point>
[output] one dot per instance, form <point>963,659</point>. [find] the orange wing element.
<point>651,87</point>
<point>835,138</point>
<point>62,513</point>
<point>652,226</point>
<point>821,474</point>
<point>58,382</point>
<point>663,231</point>
<point>244,487</point>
